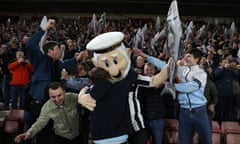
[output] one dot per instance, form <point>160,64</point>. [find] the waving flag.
<point>158,35</point>
<point>174,35</point>
<point>231,34</point>
<point>92,26</point>
<point>188,32</point>
<point>9,20</point>
<point>200,32</point>
<point>225,32</point>
<point>8,23</point>
<point>143,32</point>
<point>216,22</point>
<point>43,23</point>
<point>154,39</point>
<point>174,30</point>
<point>101,23</point>
<point>138,37</point>
<point>158,23</point>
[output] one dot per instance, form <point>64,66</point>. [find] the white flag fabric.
<point>158,24</point>
<point>174,35</point>
<point>154,39</point>
<point>174,30</point>
<point>138,37</point>
<point>43,23</point>
<point>225,32</point>
<point>9,21</point>
<point>200,32</point>
<point>231,34</point>
<point>216,22</point>
<point>94,24</point>
<point>188,32</point>
<point>101,23</point>
<point>143,32</point>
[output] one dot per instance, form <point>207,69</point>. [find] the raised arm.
<point>160,77</point>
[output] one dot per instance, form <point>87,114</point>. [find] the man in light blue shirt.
<point>190,88</point>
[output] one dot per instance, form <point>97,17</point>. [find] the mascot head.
<point>111,54</point>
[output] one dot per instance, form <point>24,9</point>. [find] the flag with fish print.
<point>173,45</point>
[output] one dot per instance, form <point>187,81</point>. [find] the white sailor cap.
<point>105,42</point>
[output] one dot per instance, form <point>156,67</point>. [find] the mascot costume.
<point>118,117</point>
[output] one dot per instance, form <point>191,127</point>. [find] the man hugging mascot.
<point>122,121</point>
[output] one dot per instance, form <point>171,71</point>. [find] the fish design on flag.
<point>173,44</point>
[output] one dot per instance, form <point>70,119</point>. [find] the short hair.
<point>55,85</point>
<point>97,73</point>
<point>196,54</point>
<point>85,66</point>
<point>49,45</point>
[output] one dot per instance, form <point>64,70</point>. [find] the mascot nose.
<point>115,72</point>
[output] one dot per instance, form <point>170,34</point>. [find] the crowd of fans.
<point>219,42</point>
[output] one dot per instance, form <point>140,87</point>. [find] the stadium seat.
<point>232,138</point>
<point>231,132</point>
<point>170,131</point>
<point>216,133</point>
<point>230,127</point>
<point>13,122</point>
<point>171,124</point>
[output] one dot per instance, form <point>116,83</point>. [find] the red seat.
<point>13,122</point>
<point>232,138</point>
<point>230,127</point>
<point>171,131</point>
<point>216,127</point>
<point>216,133</point>
<point>216,138</point>
<point>231,132</point>
<point>170,137</point>
<point>171,124</point>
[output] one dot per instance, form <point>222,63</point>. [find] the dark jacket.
<point>223,81</point>
<point>111,116</point>
<point>46,70</point>
<point>152,103</point>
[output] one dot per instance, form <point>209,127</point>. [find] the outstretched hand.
<point>86,100</point>
<point>22,137</point>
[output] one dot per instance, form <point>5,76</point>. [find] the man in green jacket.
<point>62,109</point>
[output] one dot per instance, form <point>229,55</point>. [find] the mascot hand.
<point>86,100</point>
<point>160,78</point>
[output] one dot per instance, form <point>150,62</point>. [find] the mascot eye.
<point>115,61</point>
<point>106,64</point>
